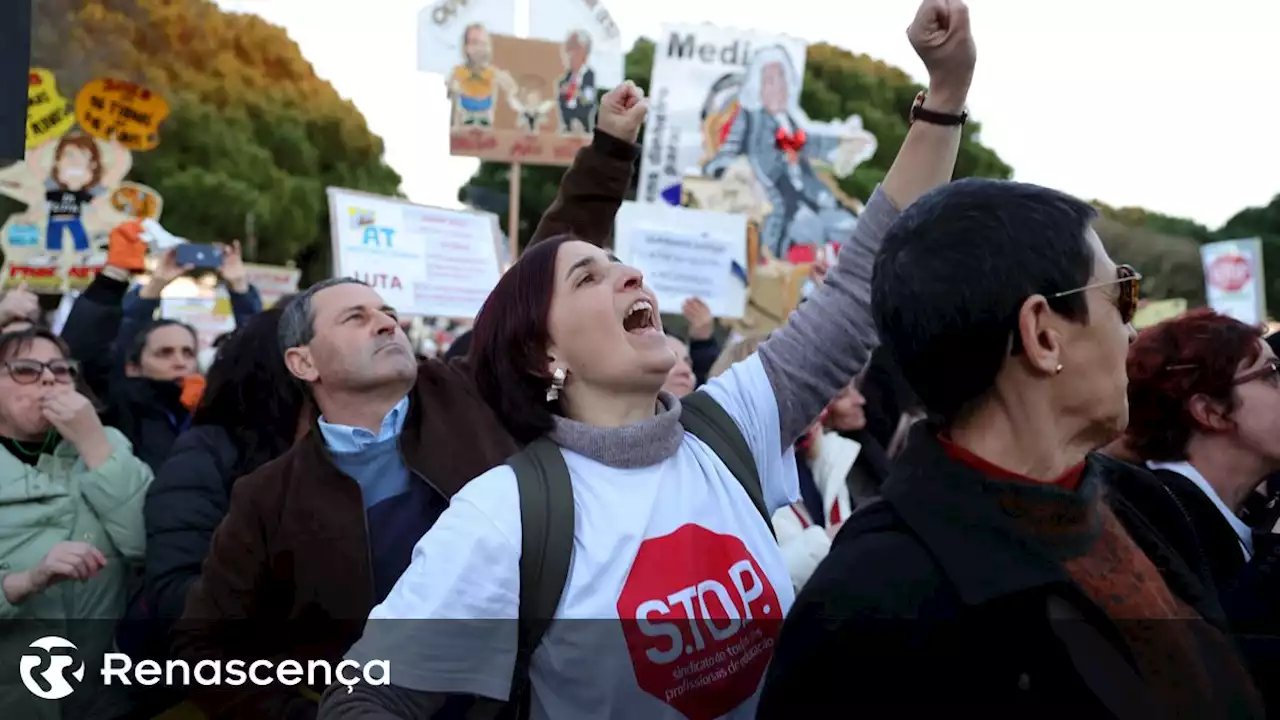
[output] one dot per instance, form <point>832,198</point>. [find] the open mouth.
<point>640,318</point>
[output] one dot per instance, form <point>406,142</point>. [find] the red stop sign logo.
<point>1229,273</point>
<point>706,620</point>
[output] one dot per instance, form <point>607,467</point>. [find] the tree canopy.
<point>837,84</point>
<point>252,128</point>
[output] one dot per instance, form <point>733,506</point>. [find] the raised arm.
<point>594,187</point>
<point>830,337</point>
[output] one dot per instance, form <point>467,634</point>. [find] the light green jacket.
<point>60,499</point>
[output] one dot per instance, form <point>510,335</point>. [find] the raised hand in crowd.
<point>232,271</point>
<point>167,270</point>
<point>701,324</point>
<point>943,38</point>
<point>622,111</point>
<point>67,560</point>
<point>77,421</point>
<point>19,304</point>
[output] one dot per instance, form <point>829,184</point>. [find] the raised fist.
<point>942,38</point>
<point>622,111</point>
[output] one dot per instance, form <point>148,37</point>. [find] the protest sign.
<point>422,260</point>
<point>125,112</point>
<point>686,253</point>
<point>1234,280</point>
<point>49,114</point>
<point>521,101</point>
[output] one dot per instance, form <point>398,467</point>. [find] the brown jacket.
<point>288,574</point>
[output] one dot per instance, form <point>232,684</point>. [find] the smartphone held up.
<point>199,256</point>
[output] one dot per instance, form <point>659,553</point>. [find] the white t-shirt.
<point>676,549</point>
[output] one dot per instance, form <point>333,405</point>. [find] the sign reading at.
<point>121,111</point>
<point>707,619</point>
<point>423,261</point>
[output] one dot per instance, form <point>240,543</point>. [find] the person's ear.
<point>1209,413</point>
<point>132,370</point>
<point>1038,328</point>
<point>300,363</point>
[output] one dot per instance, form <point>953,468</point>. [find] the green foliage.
<point>252,128</point>
<point>837,84</point>
<point>1170,264</point>
<point>1165,224</point>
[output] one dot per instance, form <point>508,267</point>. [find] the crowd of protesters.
<point>922,494</point>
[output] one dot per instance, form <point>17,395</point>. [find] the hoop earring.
<point>557,384</point>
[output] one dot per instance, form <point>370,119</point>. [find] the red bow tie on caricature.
<point>790,143</point>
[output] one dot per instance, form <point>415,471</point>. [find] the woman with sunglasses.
<point>1204,405</point>
<point>71,529</point>
<point>1005,572</point>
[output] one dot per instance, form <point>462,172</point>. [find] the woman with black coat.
<point>251,412</point>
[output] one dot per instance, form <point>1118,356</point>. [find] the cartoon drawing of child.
<point>531,103</point>
<point>64,178</point>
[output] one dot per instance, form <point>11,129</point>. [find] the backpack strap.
<point>703,418</point>
<point>546,549</point>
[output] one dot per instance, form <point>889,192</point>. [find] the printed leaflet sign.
<point>422,260</point>
<point>686,253</point>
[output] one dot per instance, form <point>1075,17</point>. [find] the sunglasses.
<point>1130,282</point>
<point>27,372</point>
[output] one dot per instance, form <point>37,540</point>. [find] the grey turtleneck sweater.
<point>824,344</point>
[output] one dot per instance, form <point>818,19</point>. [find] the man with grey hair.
<point>314,539</point>
<point>577,89</point>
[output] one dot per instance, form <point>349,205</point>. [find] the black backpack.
<point>546,519</point>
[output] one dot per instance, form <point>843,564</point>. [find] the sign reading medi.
<point>422,260</point>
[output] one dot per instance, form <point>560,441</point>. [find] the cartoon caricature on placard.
<point>73,187</point>
<point>765,126</point>
<point>577,88</point>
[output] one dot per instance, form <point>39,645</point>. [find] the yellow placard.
<point>48,112</point>
<point>121,111</point>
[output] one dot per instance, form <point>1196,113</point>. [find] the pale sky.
<point>1167,104</point>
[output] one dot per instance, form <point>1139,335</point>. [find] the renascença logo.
<point>55,675</point>
<point>118,668</point>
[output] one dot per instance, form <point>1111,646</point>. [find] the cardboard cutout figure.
<point>577,87</point>
<point>475,83</point>
<point>763,122</point>
<point>73,187</point>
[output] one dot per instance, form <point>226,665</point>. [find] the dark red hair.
<point>509,343</point>
<point>1199,353</point>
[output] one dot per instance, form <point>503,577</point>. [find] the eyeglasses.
<point>27,372</point>
<point>1270,372</point>
<point>1130,282</point>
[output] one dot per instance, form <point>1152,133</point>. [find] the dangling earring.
<point>557,384</point>
<point>1058,370</point>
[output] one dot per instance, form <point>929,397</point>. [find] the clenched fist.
<point>622,111</point>
<point>942,38</point>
